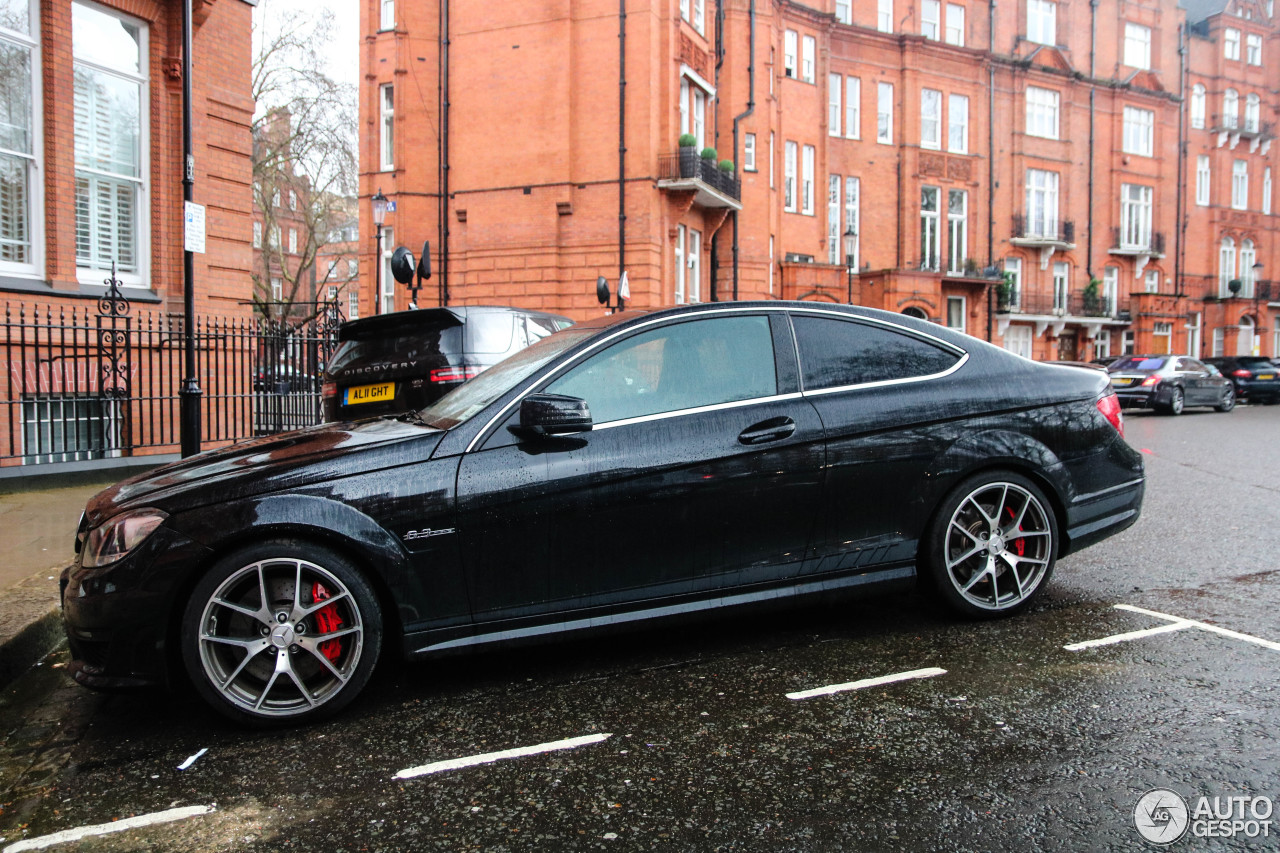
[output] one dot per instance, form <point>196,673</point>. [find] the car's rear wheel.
<point>991,546</point>
<point>281,632</point>
<point>1228,401</point>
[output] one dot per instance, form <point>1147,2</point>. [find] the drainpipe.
<point>622,145</point>
<point>751,108</point>
<point>715,238</point>
<point>1180,230</point>
<point>444,152</point>
<point>991,156</point>
<point>1093,98</point>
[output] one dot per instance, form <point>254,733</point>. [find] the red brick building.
<point>1012,170</point>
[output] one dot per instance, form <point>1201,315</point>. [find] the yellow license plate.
<point>369,394</point>
<point>1119,381</point>
<point>1266,376</point>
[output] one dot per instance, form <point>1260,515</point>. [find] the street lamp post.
<point>379,216</point>
<point>850,244</point>
<point>1255,345</point>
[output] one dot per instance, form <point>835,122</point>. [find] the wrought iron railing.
<point>1061,232</point>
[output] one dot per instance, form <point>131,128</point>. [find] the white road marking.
<point>488,757</point>
<point>1132,635</point>
<point>1176,623</point>
<point>867,682</point>
<point>69,835</point>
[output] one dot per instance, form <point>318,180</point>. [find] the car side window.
<point>679,366</point>
<point>489,332</point>
<point>835,353</point>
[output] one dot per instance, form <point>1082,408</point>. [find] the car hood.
<point>268,464</point>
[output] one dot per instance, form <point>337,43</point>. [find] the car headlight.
<point>116,537</point>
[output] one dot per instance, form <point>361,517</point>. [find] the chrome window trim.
<point>487,429</point>
<point>883,383</point>
<point>697,410</point>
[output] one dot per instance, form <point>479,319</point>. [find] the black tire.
<point>1228,401</point>
<point>1177,402</point>
<point>271,665</point>
<point>974,569</point>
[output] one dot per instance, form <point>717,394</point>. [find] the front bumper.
<point>118,617</point>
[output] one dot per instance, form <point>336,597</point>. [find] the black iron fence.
<point>101,382</point>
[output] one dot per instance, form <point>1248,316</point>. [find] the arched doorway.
<point>915,312</point>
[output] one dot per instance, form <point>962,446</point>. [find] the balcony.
<point>1048,237</point>
<point>1142,248</point>
<point>1231,128</point>
<point>685,171</point>
<point>1063,305</point>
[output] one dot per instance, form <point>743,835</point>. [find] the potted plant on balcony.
<point>728,182</point>
<point>688,144</point>
<point>707,167</point>
<point>1004,293</point>
<point>1093,305</point>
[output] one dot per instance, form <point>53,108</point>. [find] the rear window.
<point>1136,363</point>
<point>1256,361</point>
<point>489,332</point>
<point>835,353</point>
<point>427,342</point>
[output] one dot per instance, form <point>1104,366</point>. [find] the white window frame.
<point>277,289</point>
<point>844,11</point>
<point>958,124</point>
<point>884,113</point>
<point>1240,185</point>
<point>1061,286</point>
<point>693,261</point>
<point>954,33</point>
<point>884,16</point>
<point>772,166</point>
<point>331,292</point>
<point>1197,105</point>
<point>699,17</point>
<point>1136,204</point>
<point>835,187</point>
<point>1231,109</point>
<point>808,58</point>
<point>749,152</point>
<point>388,15</point>
<point>790,54</point>
<point>1266,197</point>
<point>257,235</point>
<point>1203,178</point>
<point>386,127</point>
<point>1231,43</point>
<point>1042,112</point>
<point>1162,330</point>
<point>1042,22</point>
<point>1139,131</point>
<point>1110,289</point>
<point>931,119</point>
<point>1226,265</point>
<point>1018,340</point>
<point>1151,281</point>
<point>1248,257</point>
<point>957,232</point>
<point>1042,204</point>
<point>931,19</point>
<point>1137,45</point>
<point>790,172</point>
<point>1253,49</point>
<point>353,305</point>
<point>930,239</point>
<point>694,97</point>
<point>293,200</point>
<point>835,104</point>
<point>853,108</point>
<point>1014,266</point>
<point>1252,113</point>
<point>960,304</point>
<point>853,217</point>
<point>808,162</point>
<point>387,299</point>
<point>293,241</point>
<point>142,183</point>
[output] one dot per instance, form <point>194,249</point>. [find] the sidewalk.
<point>37,535</point>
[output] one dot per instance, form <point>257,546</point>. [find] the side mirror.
<point>602,290</point>
<point>402,265</point>
<point>424,262</point>
<point>552,414</point>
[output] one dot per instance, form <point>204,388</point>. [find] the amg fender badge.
<point>426,533</point>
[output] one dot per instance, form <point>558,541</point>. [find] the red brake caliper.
<point>1019,545</point>
<point>327,620</point>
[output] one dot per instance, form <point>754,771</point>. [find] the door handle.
<point>773,429</point>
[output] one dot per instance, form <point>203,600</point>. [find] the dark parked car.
<point>635,467</point>
<point>1255,377</point>
<point>1169,383</point>
<point>1106,360</point>
<point>402,361</point>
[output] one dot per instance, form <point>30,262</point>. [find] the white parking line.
<point>68,835</point>
<point>1176,623</point>
<point>488,757</point>
<point>867,682</point>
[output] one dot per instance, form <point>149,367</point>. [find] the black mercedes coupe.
<point>635,467</point>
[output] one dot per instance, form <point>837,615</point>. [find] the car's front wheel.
<point>991,546</point>
<point>281,632</point>
<point>1228,401</point>
<point>1177,400</point>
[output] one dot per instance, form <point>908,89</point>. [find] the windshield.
<point>463,402</point>
<point>1136,363</point>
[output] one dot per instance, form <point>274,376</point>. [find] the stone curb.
<point>30,624</point>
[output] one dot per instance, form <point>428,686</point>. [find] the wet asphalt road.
<point>1020,745</point>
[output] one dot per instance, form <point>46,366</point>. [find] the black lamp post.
<point>850,244</point>
<point>379,216</point>
<point>1257,317</point>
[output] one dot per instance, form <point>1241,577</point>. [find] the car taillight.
<point>1109,406</point>
<point>1242,374</point>
<point>1151,380</point>
<point>329,389</point>
<point>454,374</point>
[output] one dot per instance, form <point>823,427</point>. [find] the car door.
<point>1200,390</point>
<point>702,472</point>
<point>877,388</point>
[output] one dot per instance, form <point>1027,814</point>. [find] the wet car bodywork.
<point>1255,378</point>
<point>779,465</point>
<point>1169,383</point>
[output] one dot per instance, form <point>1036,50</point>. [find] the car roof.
<point>407,321</point>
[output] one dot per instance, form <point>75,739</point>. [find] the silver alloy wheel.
<point>280,637</point>
<point>1176,402</point>
<point>998,546</point>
